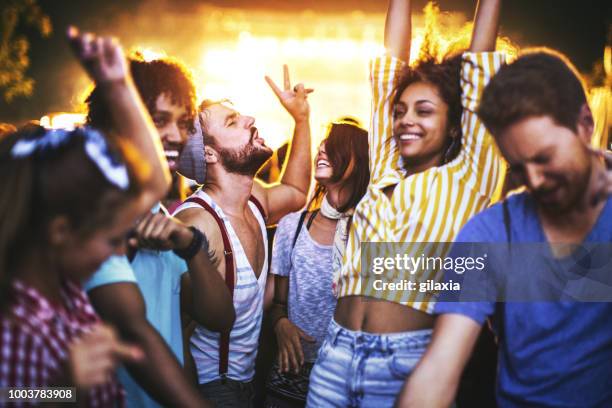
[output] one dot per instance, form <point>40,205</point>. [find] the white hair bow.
<point>95,146</point>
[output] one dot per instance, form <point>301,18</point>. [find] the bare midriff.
<point>360,313</point>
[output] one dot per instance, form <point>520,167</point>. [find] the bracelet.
<point>194,246</point>
<point>277,312</point>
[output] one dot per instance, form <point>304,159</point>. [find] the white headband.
<point>95,146</point>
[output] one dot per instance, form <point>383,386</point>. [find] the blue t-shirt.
<point>308,265</point>
<point>158,276</point>
<point>551,354</point>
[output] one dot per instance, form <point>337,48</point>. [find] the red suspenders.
<point>224,340</point>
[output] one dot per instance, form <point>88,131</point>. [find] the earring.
<point>453,145</point>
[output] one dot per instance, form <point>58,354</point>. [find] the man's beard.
<point>575,189</point>
<point>245,161</point>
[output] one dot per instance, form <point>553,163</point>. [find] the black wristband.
<point>277,312</point>
<point>194,246</point>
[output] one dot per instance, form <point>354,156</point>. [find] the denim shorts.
<point>358,369</point>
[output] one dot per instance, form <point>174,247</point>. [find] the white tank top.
<point>248,303</point>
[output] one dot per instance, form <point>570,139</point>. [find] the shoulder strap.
<point>507,220</point>
<point>224,338</point>
<point>259,206</point>
<point>311,219</point>
<point>500,306</point>
<point>299,227</point>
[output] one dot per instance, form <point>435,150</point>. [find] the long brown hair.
<point>346,145</point>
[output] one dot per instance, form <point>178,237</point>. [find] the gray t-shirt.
<point>309,268</point>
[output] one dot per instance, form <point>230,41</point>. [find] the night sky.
<point>576,28</point>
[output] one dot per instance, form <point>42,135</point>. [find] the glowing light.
<point>608,60</point>
<point>149,54</point>
<point>327,52</point>
<point>335,68</point>
<point>62,120</point>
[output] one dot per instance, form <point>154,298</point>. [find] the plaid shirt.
<point>34,339</point>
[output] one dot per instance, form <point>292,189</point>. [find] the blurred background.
<point>231,45</point>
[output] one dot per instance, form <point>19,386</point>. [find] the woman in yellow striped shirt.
<point>433,166</point>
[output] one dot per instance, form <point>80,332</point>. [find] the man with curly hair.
<point>140,295</point>
<point>166,88</point>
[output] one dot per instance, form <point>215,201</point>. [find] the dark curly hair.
<point>445,76</point>
<point>152,78</point>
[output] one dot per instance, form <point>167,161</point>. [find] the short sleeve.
<point>115,269</point>
<point>283,244</point>
<point>478,288</point>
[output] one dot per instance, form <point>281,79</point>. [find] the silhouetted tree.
<point>14,46</point>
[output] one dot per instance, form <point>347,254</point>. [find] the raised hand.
<point>294,100</point>
<point>102,57</point>
<point>94,356</point>
<point>161,232</point>
<point>290,354</point>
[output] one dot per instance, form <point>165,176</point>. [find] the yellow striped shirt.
<point>430,206</point>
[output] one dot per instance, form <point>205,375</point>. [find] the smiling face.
<point>420,126</point>
<point>551,160</point>
<point>323,167</point>
<point>235,139</point>
<point>173,123</point>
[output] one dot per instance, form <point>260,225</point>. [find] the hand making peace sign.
<point>293,99</point>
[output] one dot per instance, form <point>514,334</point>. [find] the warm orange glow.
<point>231,50</point>
<point>62,120</point>
<point>149,54</point>
<point>335,68</point>
<point>328,52</point>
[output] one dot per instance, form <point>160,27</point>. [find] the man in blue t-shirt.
<point>551,354</point>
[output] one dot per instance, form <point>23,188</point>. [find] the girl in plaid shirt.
<point>66,203</point>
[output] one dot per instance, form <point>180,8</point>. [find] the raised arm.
<point>479,159</point>
<point>486,25</point>
<point>105,62</point>
<point>398,29</point>
<point>290,194</point>
<point>385,163</point>
<point>434,381</point>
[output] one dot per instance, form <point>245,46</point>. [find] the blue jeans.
<point>357,369</point>
<point>229,393</point>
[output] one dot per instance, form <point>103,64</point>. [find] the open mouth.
<point>408,137</point>
<point>323,164</point>
<point>255,136</point>
<point>171,157</point>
